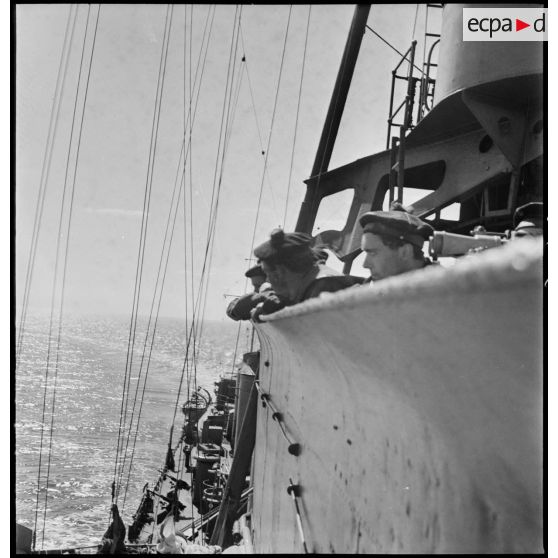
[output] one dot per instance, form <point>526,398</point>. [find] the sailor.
<point>257,277</point>
<point>240,308</point>
<point>294,272</point>
<point>393,242</point>
<point>528,220</point>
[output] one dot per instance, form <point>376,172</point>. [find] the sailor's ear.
<point>406,251</point>
<point>280,271</point>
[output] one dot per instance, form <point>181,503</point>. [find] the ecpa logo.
<point>505,24</point>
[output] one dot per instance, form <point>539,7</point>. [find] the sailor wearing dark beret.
<point>295,274</point>
<point>282,247</point>
<point>393,241</point>
<point>528,220</point>
<point>292,269</point>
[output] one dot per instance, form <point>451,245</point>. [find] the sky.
<point>113,167</point>
<point>113,164</point>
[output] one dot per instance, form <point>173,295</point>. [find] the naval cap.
<point>397,224</point>
<point>255,271</point>
<point>281,245</point>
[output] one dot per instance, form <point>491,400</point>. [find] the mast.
<point>311,201</point>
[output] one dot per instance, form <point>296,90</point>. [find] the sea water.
<point>89,364</point>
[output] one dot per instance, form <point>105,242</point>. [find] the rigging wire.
<point>185,130</point>
<point>192,120</point>
<point>192,371</point>
<point>297,115</point>
<point>342,69</point>
<point>195,108</point>
<point>216,183</point>
<point>161,291</point>
<point>133,321</point>
<point>415,23</point>
<point>44,406</point>
<point>191,197</point>
<point>183,177</point>
<point>188,337</point>
<point>237,95</point>
<point>156,136</point>
<point>45,173</point>
<point>393,48</point>
<point>158,307</point>
<point>238,329</point>
<point>50,326</point>
<point>187,127</point>
<point>231,101</point>
<point>227,135</point>
<point>193,335</point>
<point>341,72</point>
<point>57,261</point>
<point>154,329</point>
<point>270,131</point>
<point>196,328</point>
<point>264,152</point>
<point>67,246</point>
<point>244,58</point>
<point>219,146</point>
<point>141,251</point>
<point>227,140</point>
<point>251,92</point>
<point>150,176</point>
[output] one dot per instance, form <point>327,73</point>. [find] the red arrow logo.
<point>519,25</point>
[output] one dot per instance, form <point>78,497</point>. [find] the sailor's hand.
<point>257,312</point>
<point>269,304</point>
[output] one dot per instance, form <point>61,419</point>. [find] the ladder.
<point>396,144</point>
<point>428,83</point>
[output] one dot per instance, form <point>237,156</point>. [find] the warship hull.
<point>418,407</point>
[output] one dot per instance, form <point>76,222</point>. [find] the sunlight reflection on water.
<point>85,426</point>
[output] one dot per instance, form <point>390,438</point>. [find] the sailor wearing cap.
<point>528,220</point>
<point>295,274</point>
<point>257,277</point>
<point>240,308</point>
<point>393,241</point>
